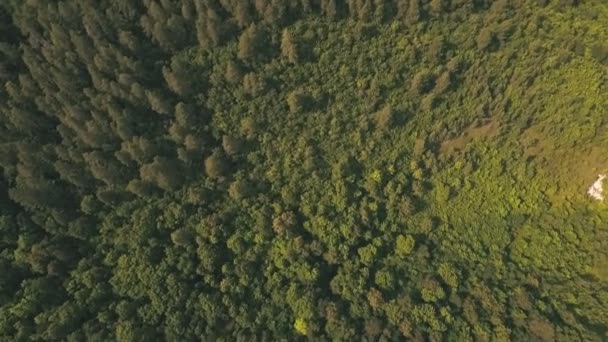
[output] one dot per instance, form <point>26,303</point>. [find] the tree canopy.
<point>366,170</point>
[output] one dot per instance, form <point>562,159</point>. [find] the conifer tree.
<point>413,12</point>
<point>250,43</point>
<point>329,8</point>
<point>289,49</point>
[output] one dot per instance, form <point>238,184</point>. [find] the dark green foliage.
<point>600,52</point>
<point>40,194</point>
<point>243,170</point>
<point>106,169</point>
<point>231,145</point>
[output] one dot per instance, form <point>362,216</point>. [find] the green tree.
<point>162,172</point>
<point>254,84</point>
<point>423,82</point>
<point>404,245</point>
<point>251,43</point>
<point>178,81</point>
<point>182,237</point>
<point>231,145</point>
<point>296,101</point>
<point>437,6</point>
<point>384,118</point>
<point>239,189</point>
<point>233,73</point>
<point>413,12</point>
<point>289,48</point>
<point>329,8</point>
<point>215,166</point>
<point>486,38</point>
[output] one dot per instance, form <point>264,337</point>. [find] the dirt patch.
<point>485,129</point>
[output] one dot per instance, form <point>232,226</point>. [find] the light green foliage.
<point>431,291</point>
<point>367,254</point>
<point>384,279</point>
<point>404,245</point>
<point>301,326</point>
<point>448,274</point>
<point>442,193</point>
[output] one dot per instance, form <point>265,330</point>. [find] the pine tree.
<point>243,13</point>
<point>437,7</point>
<point>178,81</point>
<point>163,172</point>
<point>413,12</point>
<point>289,49</point>
<point>214,27</point>
<point>250,43</point>
<point>384,118</point>
<point>233,73</point>
<point>329,8</point>
<point>158,101</point>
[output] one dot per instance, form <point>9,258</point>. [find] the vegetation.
<point>304,169</point>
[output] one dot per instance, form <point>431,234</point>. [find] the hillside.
<point>268,170</point>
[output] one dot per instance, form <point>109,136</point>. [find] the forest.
<point>293,170</point>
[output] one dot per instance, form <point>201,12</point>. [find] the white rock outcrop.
<point>596,190</point>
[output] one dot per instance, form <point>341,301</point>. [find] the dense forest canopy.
<point>365,170</point>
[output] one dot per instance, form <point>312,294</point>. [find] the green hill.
<point>365,170</point>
